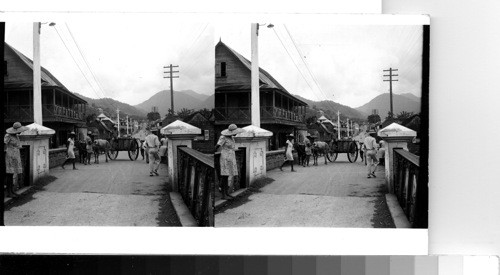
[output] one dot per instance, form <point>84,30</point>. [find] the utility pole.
<point>255,91</point>
<point>348,129</point>
<point>127,125</point>
<point>170,74</point>
<point>338,124</point>
<point>118,120</point>
<point>390,75</point>
<point>37,78</point>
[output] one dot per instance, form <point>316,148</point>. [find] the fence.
<point>196,178</point>
<point>410,189</point>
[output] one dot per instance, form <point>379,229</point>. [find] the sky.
<point>125,58</point>
<point>343,63</point>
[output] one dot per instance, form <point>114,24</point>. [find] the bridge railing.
<point>196,178</point>
<point>410,190</point>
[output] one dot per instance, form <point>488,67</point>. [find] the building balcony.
<point>268,114</point>
<point>24,113</point>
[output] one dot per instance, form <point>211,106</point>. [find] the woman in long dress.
<point>13,163</point>
<point>288,152</point>
<point>70,144</point>
<point>228,166</point>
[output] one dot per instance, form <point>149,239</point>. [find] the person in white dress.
<point>288,152</point>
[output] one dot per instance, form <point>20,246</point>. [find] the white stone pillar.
<point>395,136</point>
<point>254,139</point>
<point>255,91</point>
<point>37,137</point>
<point>178,133</point>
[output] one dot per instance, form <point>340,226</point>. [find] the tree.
<point>374,118</point>
<point>183,113</point>
<point>404,115</point>
<point>310,120</point>
<point>152,116</point>
<point>390,115</point>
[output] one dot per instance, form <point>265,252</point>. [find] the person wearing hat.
<point>88,147</point>
<point>308,147</point>
<point>228,166</point>
<point>70,144</point>
<point>288,152</point>
<point>371,145</point>
<point>13,163</point>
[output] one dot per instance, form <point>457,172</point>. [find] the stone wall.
<point>58,156</point>
<point>275,158</point>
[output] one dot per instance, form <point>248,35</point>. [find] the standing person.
<point>370,144</point>
<point>70,144</point>
<point>163,149</point>
<point>308,148</point>
<point>153,145</point>
<point>228,166</point>
<point>288,152</point>
<point>88,147</point>
<point>13,163</point>
<point>381,153</point>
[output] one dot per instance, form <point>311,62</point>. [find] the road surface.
<point>117,193</point>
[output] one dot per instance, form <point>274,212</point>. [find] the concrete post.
<point>37,137</point>
<point>395,136</point>
<point>255,92</point>
<point>178,133</point>
<point>254,139</point>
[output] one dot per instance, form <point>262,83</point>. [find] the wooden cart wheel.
<point>133,151</point>
<point>112,154</point>
<point>333,156</point>
<point>352,154</point>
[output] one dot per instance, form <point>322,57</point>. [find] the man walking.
<point>370,144</point>
<point>153,145</point>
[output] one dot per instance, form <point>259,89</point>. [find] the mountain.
<point>330,108</point>
<point>109,106</point>
<point>182,99</point>
<point>401,102</point>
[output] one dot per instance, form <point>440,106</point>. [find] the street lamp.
<point>255,96</point>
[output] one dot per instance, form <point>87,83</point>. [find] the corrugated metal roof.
<point>48,79</point>
<point>267,80</point>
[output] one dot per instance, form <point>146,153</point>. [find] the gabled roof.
<point>265,78</point>
<point>48,80</point>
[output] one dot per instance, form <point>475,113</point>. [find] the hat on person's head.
<point>16,129</point>
<point>232,130</point>
<point>89,133</point>
<point>72,133</point>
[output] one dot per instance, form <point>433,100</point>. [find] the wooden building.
<point>280,112</point>
<point>62,110</point>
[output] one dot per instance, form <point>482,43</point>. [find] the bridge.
<point>334,195</point>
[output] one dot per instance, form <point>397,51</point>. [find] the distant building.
<point>206,122</point>
<point>280,112</point>
<point>62,110</point>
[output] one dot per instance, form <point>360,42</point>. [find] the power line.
<point>90,68</point>
<point>74,60</point>
<point>293,61</point>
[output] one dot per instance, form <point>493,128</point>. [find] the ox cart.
<point>343,146</point>
<point>129,144</point>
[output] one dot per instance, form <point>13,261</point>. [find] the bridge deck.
<point>117,193</point>
<point>334,195</point>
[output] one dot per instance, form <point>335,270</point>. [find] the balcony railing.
<point>409,189</point>
<point>196,177</point>
<point>25,112</point>
<point>266,112</point>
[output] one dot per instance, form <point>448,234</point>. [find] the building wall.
<point>58,156</point>
<point>235,71</point>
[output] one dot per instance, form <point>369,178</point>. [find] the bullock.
<point>320,148</point>
<point>82,151</point>
<point>101,146</point>
<point>300,148</point>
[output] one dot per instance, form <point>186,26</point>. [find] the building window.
<point>207,134</point>
<point>223,69</point>
<point>220,69</point>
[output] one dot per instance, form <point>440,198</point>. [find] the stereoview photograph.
<point>321,125</point>
<point>108,123</point>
